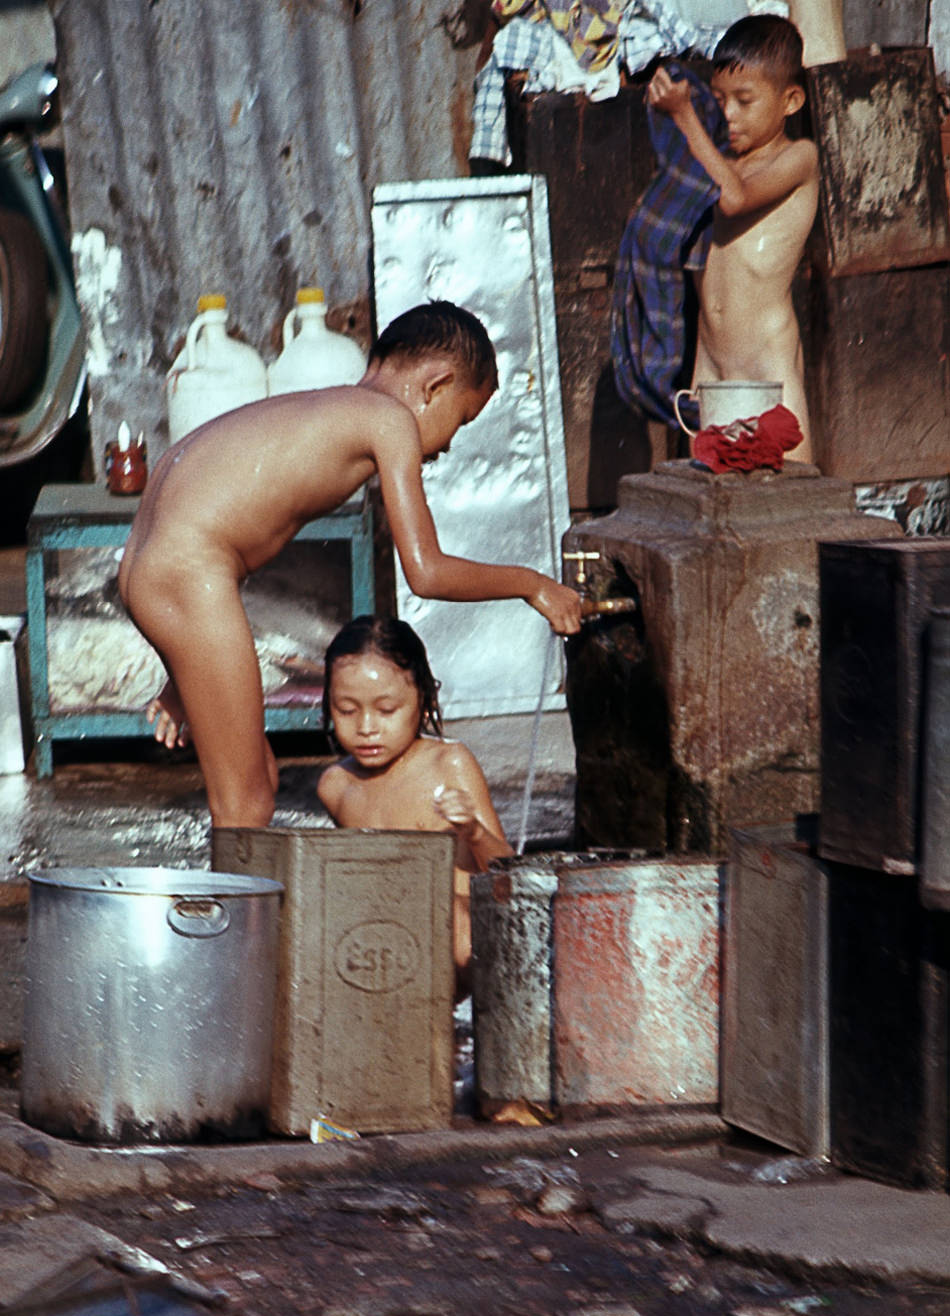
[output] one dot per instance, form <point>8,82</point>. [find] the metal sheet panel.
<point>888,22</point>
<point>229,145</point>
<point>500,495</point>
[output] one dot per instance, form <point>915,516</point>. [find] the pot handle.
<point>196,916</point>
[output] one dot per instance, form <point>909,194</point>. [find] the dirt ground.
<point>473,1239</point>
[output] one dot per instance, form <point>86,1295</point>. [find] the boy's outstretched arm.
<point>433,574</point>
<point>741,191</point>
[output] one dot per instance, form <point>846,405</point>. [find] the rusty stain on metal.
<point>884,195</point>
<point>636,998</point>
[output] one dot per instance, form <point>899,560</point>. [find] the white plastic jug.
<point>213,373</point>
<point>313,356</point>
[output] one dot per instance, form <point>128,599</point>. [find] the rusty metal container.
<point>876,600</point>
<point>889,1029</point>
<point>511,980</point>
<point>595,980</point>
<point>876,298</point>
<point>699,712</point>
<point>775,1064</point>
<point>363,1029</point>
<point>512,932</point>
<point>636,984</point>
<point>879,396</point>
<point>876,118</point>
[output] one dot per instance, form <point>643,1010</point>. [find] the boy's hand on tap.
<point>560,604</point>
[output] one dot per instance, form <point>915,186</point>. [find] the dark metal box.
<point>875,598</point>
<point>888,1029</point>
<point>775,992</point>
<point>597,159</point>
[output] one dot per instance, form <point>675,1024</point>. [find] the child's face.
<point>755,107</point>
<point>451,406</point>
<point>376,709</point>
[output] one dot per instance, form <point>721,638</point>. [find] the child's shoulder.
<point>801,153</point>
<point>333,781</point>
<point>451,757</point>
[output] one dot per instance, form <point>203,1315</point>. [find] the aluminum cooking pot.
<point>149,1005</point>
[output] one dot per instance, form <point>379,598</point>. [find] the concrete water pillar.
<point>700,711</point>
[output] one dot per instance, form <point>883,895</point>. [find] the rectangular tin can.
<point>363,1030</point>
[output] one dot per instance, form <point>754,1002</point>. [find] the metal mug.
<point>722,401</point>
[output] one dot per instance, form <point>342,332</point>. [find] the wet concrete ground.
<point>522,1236</point>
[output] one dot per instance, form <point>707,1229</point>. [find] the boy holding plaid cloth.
<point>768,195</point>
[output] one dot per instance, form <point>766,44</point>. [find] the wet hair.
<point>396,641</point>
<point>441,328</point>
<point>766,43</point>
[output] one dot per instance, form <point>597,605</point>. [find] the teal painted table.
<point>88,516</point>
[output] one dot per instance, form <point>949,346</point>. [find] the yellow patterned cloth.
<point>589,26</point>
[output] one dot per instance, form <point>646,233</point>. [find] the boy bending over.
<point>768,197</point>
<point>226,499</point>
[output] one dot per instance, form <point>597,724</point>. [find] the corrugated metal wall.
<point>232,145</point>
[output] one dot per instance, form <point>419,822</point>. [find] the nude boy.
<point>225,500</point>
<point>767,203</point>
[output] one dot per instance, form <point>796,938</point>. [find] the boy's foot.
<point>168,713</point>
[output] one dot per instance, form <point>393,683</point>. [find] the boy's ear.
<point>794,100</point>
<point>443,377</point>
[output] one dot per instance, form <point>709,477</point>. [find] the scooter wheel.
<point>24,291</point>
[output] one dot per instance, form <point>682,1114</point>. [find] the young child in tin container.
<point>381,700</point>
<point>768,198</point>
<point>226,498</point>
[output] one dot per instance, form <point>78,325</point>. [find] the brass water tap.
<point>591,607</point>
<point>580,575</point>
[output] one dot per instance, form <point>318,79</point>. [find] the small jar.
<point>126,468</point>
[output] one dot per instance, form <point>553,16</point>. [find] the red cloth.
<point>748,445</point>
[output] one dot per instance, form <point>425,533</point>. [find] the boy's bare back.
<point>246,482</point>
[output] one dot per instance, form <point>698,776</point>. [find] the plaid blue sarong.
<point>669,228</point>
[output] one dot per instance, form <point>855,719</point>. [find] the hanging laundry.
<point>571,47</point>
